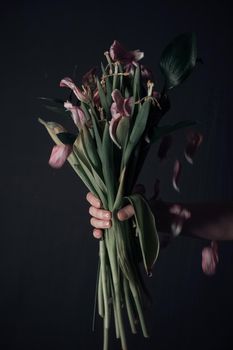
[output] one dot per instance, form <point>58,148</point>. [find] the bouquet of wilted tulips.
<point>118,119</point>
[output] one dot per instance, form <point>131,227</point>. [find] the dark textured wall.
<point>48,258</point>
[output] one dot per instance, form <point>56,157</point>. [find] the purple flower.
<point>119,53</point>
<point>81,95</point>
<point>59,155</point>
<point>77,114</point>
<point>121,107</point>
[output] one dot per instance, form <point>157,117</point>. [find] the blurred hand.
<point>101,218</point>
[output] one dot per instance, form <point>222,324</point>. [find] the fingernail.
<point>106,223</point>
<point>107,215</point>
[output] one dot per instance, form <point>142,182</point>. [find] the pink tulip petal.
<point>119,53</point>
<point>119,100</point>
<point>114,111</point>
<point>112,129</point>
<point>128,106</point>
<point>77,114</point>
<point>96,98</point>
<point>209,260</point>
<point>194,141</point>
<point>181,215</point>
<point>59,155</point>
<point>176,175</point>
<point>67,82</point>
<point>164,147</point>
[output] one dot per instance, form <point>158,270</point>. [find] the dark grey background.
<point>48,258</point>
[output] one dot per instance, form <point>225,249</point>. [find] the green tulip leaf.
<point>178,59</point>
<point>67,138</point>
<point>160,131</point>
<point>146,230</point>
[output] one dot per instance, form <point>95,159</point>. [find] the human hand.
<point>101,218</point>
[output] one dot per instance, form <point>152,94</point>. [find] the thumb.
<point>125,213</point>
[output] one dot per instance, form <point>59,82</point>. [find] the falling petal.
<point>181,215</point>
<point>194,141</point>
<point>176,175</point>
<point>59,155</point>
<point>209,259</point>
<point>67,82</point>
<point>164,147</point>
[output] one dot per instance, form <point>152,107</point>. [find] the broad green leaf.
<point>66,137</point>
<point>178,59</point>
<point>96,127</point>
<point>161,131</point>
<point>122,131</point>
<point>146,229</point>
<point>79,151</point>
<point>103,98</point>
<point>136,83</point>
<point>53,101</point>
<point>138,129</point>
<point>108,85</point>
<point>107,164</point>
<point>53,129</point>
<point>120,189</point>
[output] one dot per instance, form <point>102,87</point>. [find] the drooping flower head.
<point>121,107</point>
<point>81,95</point>
<point>59,155</point>
<point>77,114</point>
<point>119,53</point>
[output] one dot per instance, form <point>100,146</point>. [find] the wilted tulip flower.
<point>119,53</point>
<point>81,96</point>
<point>121,107</point>
<point>77,114</point>
<point>59,155</point>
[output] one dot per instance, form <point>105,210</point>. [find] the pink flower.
<point>119,53</point>
<point>194,141</point>
<point>210,259</point>
<point>59,155</point>
<point>77,114</point>
<point>121,107</point>
<point>81,96</point>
